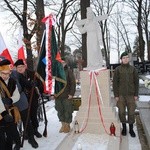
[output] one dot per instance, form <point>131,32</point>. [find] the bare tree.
<point>40,26</point>
<point>139,6</point>
<point>104,7</point>
<point>146,12</point>
<point>122,35</point>
<point>23,16</point>
<point>66,14</point>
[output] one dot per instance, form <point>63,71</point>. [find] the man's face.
<point>125,59</point>
<point>21,68</point>
<point>5,74</point>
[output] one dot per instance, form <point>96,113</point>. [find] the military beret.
<point>123,54</point>
<point>19,62</point>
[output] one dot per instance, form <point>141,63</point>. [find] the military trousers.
<point>64,109</point>
<point>126,105</point>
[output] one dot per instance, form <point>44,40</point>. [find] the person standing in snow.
<point>125,88</point>
<point>9,94</point>
<point>64,102</point>
<point>26,80</point>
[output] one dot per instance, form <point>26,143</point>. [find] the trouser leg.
<point>59,106</point>
<point>33,116</point>
<point>68,109</point>
<point>2,139</point>
<point>12,134</point>
<point>121,104</point>
<point>29,129</point>
<point>131,109</point>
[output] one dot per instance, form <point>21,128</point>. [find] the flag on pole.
<point>41,65</point>
<point>49,65</point>
<point>4,50</point>
<point>21,54</point>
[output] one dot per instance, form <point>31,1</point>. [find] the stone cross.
<point>94,39</point>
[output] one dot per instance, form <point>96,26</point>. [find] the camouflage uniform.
<point>125,86</point>
<point>63,105</point>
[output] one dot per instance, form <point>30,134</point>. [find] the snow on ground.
<point>53,136</point>
<point>86,141</point>
<point>92,142</point>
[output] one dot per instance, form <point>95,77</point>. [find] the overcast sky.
<point>10,37</point>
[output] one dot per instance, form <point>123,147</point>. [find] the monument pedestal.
<point>95,114</point>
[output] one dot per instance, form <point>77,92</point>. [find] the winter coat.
<point>27,81</point>
<point>22,104</point>
<point>13,90</point>
<point>125,81</point>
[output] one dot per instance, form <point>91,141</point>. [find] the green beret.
<point>124,54</point>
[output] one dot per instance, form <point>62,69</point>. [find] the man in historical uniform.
<point>9,94</point>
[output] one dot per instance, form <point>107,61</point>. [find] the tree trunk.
<point>140,31</point>
<point>27,37</point>
<point>84,4</point>
<point>40,26</point>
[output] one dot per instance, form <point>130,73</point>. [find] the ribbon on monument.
<point>99,99</point>
<point>93,78</point>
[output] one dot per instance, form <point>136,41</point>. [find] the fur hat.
<point>19,62</point>
<point>5,65</point>
<point>123,54</point>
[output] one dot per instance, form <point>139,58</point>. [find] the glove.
<point>7,101</point>
<point>8,118</point>
<point>34,83</point>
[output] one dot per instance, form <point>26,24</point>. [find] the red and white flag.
<point>21,54</point>
<point>4,52</point>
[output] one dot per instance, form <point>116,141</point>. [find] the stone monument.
<point>96,115</point>
<point>94,38</point>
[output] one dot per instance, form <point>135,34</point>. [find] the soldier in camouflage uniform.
<point>64,102</point>
<point>125,87</point>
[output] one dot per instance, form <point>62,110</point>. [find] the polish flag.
<point>4,52</point>
<point>21,54</point>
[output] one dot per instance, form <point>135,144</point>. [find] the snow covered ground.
<point>87,142</point>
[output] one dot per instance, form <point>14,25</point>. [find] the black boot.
<point>131,131</point>
<point>37,134</point>
<point>124,130</point>
<point>33,142</point>
<point>17,147</point>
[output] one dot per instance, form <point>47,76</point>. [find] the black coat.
<point>28,82</point>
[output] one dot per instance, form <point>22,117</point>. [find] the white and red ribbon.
<point>93,80</point>
<point>49,21</point>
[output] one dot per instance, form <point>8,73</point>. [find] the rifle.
<point>45,117</point>
<point>28,115</point>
